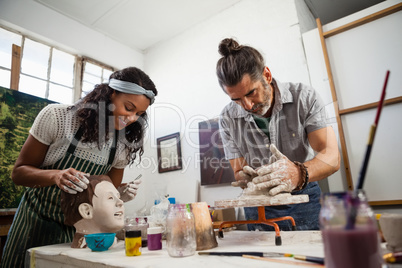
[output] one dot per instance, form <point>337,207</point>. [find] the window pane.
<point>32,86</point>
<point>5,78</point>
<point>93,75</point>
<point>93,69</point>
<point>60,94</point>
<point>7,39</point>
<point>62,70</point>
<point>86,88</point>
<point>35,59</point>
<point>89,78</point>
<point>106,75</point>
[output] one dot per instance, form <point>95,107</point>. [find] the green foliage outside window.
<point>17,114</point>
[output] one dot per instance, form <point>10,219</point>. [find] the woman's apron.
<point>39,219</point>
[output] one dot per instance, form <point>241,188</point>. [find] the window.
<point>48,72</point>
<point>93,74</point>
<point>7,39</point>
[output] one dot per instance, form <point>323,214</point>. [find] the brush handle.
<point>238,254</point>
<point>309,258</point>
<point>372,134</point>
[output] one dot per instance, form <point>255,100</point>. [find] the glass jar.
<point>180,231</point>
<point>349,231</point>
<point>138,223</point>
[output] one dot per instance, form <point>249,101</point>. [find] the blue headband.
<point>131,88</point>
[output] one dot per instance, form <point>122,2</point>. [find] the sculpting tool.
<point>139,176</point>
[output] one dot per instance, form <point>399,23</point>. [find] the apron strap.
<point>77,138</point>
<point>113,149</point>
<point>74,142</point>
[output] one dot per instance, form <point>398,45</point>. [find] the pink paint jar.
<point>154,235</point>
<point>349,245</point>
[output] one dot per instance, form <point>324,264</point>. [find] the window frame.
<point>78,69</point>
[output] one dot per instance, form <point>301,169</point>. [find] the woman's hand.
<point>71,181</point>
<point>128,191</point>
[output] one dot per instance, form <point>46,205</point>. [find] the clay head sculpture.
<point>97,209</point>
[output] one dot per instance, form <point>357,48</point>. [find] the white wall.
<point>38,21</point>
<point>183,69</point>
<point>319,76</point>
<point>378,185</point>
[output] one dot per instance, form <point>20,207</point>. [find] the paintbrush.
<point>318,260</point>
<point>250,253</point>
<point>352,217</point>
<point>372,134</point>
<point>266,254</point>
<point>283,261</point>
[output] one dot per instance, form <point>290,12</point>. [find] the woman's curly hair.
<point>95,109</point>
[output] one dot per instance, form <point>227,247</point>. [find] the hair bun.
<point>228,46</point>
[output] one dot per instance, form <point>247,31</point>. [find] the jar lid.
<point>133,233</point>
<point>154,230</point>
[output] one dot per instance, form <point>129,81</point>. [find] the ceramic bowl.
<point>391,227</point>
<point>100,241</point>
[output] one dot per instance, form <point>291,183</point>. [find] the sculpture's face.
<point>108,209</point>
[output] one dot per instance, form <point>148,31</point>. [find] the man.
<point>275,135</point>
<point>97,209</point>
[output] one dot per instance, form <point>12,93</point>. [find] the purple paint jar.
<point>154,235</point>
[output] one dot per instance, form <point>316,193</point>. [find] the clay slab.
<point>262,200</point>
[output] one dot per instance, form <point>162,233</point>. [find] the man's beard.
<point>261,109</point>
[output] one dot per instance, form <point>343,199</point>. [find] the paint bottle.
<point>154,238</point>
<point>133,243</point>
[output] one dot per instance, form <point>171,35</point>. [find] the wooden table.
<point>297,242</point>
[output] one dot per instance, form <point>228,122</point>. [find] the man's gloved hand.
<point>281,175</point>
<point>245,175</point>
<point>128,191</point>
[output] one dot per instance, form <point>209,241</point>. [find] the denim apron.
<point>39,220</point>
<point>304,214</point>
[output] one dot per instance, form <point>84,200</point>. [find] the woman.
<point>101,134</point>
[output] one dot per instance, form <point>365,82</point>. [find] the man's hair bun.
<point>228,46</point>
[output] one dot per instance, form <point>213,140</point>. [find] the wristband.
<point>304,176</point>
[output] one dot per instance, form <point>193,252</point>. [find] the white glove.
<point>280,176</point>
<point>245,175</point>
<point>72,181</point>
<point>128,191</point>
